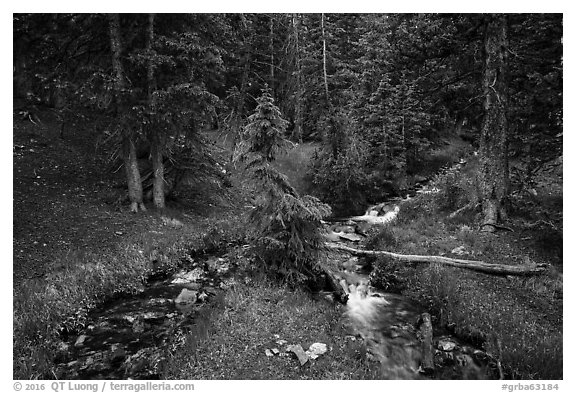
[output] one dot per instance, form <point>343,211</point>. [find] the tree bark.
<point>426,335</point>
<point>493,174</point>
<point>271,48</point>
<point>157,142</point>
<point>324,64</point>
<point>246,60</point>
<point>128,147</point>
<point>298,118</point>
<point>488,268</point>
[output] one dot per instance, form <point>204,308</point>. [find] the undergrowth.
<point>518,320</point>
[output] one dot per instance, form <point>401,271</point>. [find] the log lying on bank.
<point>479,266</point>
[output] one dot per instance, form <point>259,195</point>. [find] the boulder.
<point>187,296</point>
<point>80,341</point>
<point>316,350</point>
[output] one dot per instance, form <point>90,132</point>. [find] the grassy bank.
<point>516,319</point>
<point>254,314</point>
<point>80,280</point>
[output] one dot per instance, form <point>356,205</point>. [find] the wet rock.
<point>446,345</point>
<point>344,229</point>
<point>187,277</point>
<point>80,341</point>
<point>331,236</point>
<point>187,296</point>
<point>152,315</point>
<point>299,352</point>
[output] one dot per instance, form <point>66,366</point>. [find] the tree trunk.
<point>297,133</point>
<point>246,59</point>
<point>324,64</point>
<point>132,175</point>
<point>128,147</point>
<point>157,148</point>
<point>271,48</point>
<point>493,175</point>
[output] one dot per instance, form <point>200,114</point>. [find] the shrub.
<point>456,190</point>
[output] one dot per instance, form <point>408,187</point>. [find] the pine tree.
<point>286,225</point>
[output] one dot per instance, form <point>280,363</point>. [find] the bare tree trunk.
<point>271,48</point>
<point>128,147</point>
<point>297,133</point>
<point>493,176</point>
<point>157,148</point>
<point>246,59</point>
<point>132,175</point>
<point>324,64</point>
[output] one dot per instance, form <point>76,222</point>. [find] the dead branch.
<point>498,226</point>
<point>469,206</point>
<point>479,266</point>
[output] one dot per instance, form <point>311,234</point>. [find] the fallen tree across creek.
<point>479,266</point>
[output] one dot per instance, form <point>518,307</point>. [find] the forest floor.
<point>66,215</point>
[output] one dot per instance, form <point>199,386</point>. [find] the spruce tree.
<point>286,226</point>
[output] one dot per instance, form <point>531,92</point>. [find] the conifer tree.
<point>285,225</point>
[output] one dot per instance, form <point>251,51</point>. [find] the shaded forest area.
<point>379,91</point>
<point>289,120</point>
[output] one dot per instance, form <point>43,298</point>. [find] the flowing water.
<point>390,324</point>
<point>128,338</point>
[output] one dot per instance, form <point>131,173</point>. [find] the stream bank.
<point>130,337</point>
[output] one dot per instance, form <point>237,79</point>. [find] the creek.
<point>129,337</point>
<point>391,325</point>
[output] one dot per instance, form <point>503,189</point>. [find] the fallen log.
<point>479,266</point>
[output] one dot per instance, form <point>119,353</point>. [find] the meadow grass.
<point>254,314</point>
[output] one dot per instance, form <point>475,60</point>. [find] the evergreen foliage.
<point>285,225</point>
<point>398,84</point>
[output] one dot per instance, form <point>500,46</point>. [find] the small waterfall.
<point>389,339</point>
